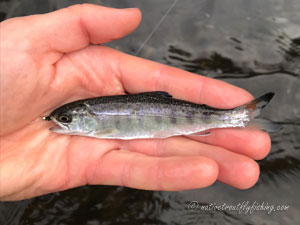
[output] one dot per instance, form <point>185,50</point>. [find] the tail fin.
<point>258,104</point>
<point>255,108</point>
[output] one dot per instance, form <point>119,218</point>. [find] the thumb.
<point>76,27</point>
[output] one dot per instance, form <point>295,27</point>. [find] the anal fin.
<point>264,124</point>
<point>201,134</point>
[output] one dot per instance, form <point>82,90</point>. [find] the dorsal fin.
<point>163,93</point>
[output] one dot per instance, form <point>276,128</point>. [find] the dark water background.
<point>252,44</point>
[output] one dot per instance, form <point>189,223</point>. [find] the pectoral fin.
<point>109,132</point>
<point>165,134</point>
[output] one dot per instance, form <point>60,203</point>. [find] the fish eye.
<point>64,118</point>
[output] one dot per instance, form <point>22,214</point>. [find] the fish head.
<point>73,118</point>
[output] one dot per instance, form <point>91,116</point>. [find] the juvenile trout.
<point>152,115</point>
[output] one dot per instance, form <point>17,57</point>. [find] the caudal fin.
<point>255,108</point>
<point>258,104</point>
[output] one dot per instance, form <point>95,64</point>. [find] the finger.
<point>255,144</point>
<point>139,171</point>
<point>140,75</point>
<point>234,169</point>
<point>75,27</point>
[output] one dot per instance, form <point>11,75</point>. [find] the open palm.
<point>48,60</point>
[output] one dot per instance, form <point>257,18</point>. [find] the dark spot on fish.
<point>207,113</point>
<point>102,123</point>
<point>117,123</point>
<point>190,116</point>
<point>173,120</point>
<point>206,116</point>
<point>158,119</point>
<point>140,120</point>
<point>129,120</point>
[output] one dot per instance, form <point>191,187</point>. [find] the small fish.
<point>153,115</point>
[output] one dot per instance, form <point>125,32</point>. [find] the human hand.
<point>48,60</point>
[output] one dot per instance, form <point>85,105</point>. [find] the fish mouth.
<point>59,128</point>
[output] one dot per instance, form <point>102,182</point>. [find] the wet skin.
<point>48,60</point>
